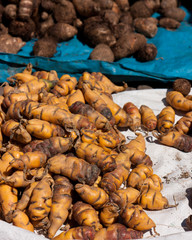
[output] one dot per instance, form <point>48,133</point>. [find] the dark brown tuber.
<point>102,52</point>
<point>128,44</point>
<point>146,53</point>
<point>62,31</point>
<point>169,23</point>
<point>146,26</point>
<point>140,9</point>
<point>182,85</point>
<point>45,47</point>
<point>23,29</point>
<point>175,13</point>
<point>65,12</point>
<point>86,8</point>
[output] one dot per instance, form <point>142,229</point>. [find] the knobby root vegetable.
<point>152,182</point>
<point>178,101</point>
<point>166,119</point>
<point>136,218</point>
<point>148,118</point>
<point>20,219</point>
<point>95,154</point>
<point>81,233</point>
<point>85,215</point>
<point>74,168</point>
<point>175,139</point>
<point>134,113</point>
<point>8,201</point>
<point>29,160</point>
<point>109,214</point>
<point>124,196</point>
<point>95,196</point>
<point>50,146</point>
<point>140,172</point>
<point>26,195</point>
<point>94,116</point>
<point>93,98</point>
<point>42,129</point>
<point>65,85</point>
<point>14,130</point>
<point>41,199</point>
<point>62,201</point>
<point>184,124</point>
<point>75,96</point>
<point>112,180</point>
<point>153,200</point>
<point>118,231</point>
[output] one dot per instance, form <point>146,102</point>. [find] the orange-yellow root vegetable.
<point>16,95</point>
<point>26,195</point>
<point>175,139</point>
<point>118,231</point>
<point>153,182</point>
<point>20,219</point>
<point>178,101</point>
<point>184,124</point>
<point>138,142</point>
<point>29,160</point>
<point>74,168</point>
<point>28,69</point>
<point>62,201</point>
<point>80,233</point>
<point>41,199</point>
<point>94,116</point>
<point>42,129</point>
<point>50,113</point>
<point>153,200</point>
<point>75,96</point>
<point>112,180</point>
<point>18,179</point>
<point>8,201</point>
<point>124,196</point>
<point>189,97</point>
<point>95,196</point>
<point>50,98</point>
<point>122,119</point>
<point>52,75</point>
<point>166,119</point>
<point>50,146</point>
<point>136,218</point>
<point>6,158</point>
<point>7,89</point>
<point>95,155</point>
<point>36,86</point>
<point>85,215</point>
<point>134,113</point>
<point>23,77</point>
<point>14,130</point>
<point>94,100</point>
<point>89,136</point>
<point>148,118</point>
<point>110,140</point>
<point>100,82</point>
<point>139,173</point>
<point>65,85</point>
<point>109,214</point>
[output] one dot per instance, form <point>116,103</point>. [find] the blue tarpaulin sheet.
<point>173,60</point>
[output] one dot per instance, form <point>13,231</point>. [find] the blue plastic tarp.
<point>173,60</point>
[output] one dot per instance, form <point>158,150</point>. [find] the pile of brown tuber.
<point>113,28</point>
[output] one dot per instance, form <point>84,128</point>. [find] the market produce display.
<point>119,28</point>
<point>75,169</point>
